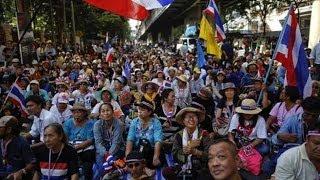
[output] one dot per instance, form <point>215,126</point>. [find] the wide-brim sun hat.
<point>248,106</point>
<point>144,86</point>
<point>183,78</point>
<point>180,115</point>
<point>205,92</point>
<point>146,104</point>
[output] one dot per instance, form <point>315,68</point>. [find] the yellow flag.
<point>207,33</point>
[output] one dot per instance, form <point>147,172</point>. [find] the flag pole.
<point>7,97</point>
<point>274,55</point>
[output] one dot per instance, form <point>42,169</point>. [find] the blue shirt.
<point>76,133</point>
<point>292,125</point>
<point>153,133</point>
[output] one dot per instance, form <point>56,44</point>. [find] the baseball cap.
<point>63,98</point>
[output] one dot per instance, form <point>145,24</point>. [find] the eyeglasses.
<point>136,164</point>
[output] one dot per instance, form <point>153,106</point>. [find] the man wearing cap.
<point>35,90</point>
<point>136,166</point>
<point>302,162</point>
<point>62,109</point>
<point>196,83</point>
<point>17,160</point>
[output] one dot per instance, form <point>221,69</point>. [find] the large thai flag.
<point>290,52</point>
<point>17,98</point>
<point>134,9</point>
<point>213,10</point>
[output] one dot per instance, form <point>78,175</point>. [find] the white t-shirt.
<point>259,131</point>
<point>86,99</point>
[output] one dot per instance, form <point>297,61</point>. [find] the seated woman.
<point>108,137</point>
<point>80,134</point>
<point>167,113</point>
<point>225,110</point>
<point>145,131</point>
<point>150,93</point>
<point>250,126</point>
<point>188,147</point>
<point>54,151</point>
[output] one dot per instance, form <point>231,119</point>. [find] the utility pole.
<point>73,24</point>
<point>64,21</point>
<point>51,20</point>
<point>19,38</point>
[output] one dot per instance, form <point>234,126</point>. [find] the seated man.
<point>302,162</point>
<point>224,163</point>
<point>136,166</point>
<point>292,132</point>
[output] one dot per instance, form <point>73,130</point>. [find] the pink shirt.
<point>280,111</point>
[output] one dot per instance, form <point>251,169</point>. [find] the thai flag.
<point>290,52</point>
<point>213,10</point>
<point>17,98</point>
<point>109,56</point>
<point>133,9</point>
<point>127,69</point>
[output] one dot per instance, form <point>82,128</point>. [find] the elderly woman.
<point>146,131</point>
<point>108,135</point>
<point>249,125</point>
<point>80,134</point>
<point>188,147</point>
<point>182,91</point>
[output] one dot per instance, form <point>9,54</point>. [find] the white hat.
<point>63,98</point>
<point>35,82</point>
<point>84,63</point>
<point>248,106</point>
<point>34,62</point>
<point>15,60</point>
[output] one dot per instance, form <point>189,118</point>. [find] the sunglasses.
<point>84,84</point>
<point>131,165</point>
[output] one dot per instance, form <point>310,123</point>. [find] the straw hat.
<point>248,106</point>
<point>182,112</point>
<point>144,86</point>
<point>146,104</point>
<point>182,78</point>
<point>197,70</point>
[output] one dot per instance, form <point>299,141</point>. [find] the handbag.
<point>251,159</point>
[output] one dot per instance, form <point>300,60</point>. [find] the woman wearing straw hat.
<point>188,145</point>
<point>249,125</point>
<point>225,109</point>
<point>146,131</point>
<point>182,91</point>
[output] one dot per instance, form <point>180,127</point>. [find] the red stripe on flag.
<point>125,8</point>
<point>45,165</point>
